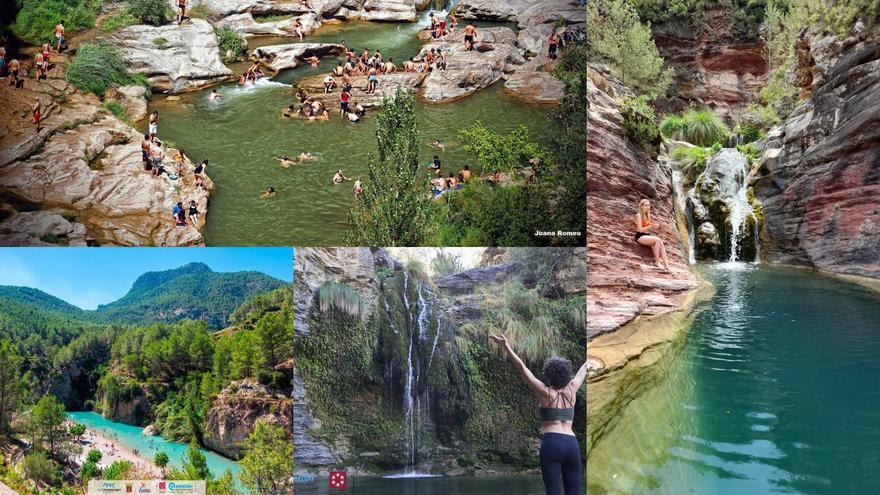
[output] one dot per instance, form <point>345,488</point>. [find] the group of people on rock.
<point>14,71</point>
<point>439,27</point>
<point>179,214</point>
<point>254,72</point>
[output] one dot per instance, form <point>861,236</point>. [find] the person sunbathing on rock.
<point>559,454</point>
<point>298,28</point>
<point>645,236</point>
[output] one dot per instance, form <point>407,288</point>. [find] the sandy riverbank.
<point>114,451</point>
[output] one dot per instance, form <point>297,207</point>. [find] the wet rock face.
<point>623,281</point>
<point>130,412</point>
<point>719,193</point>
<point>187,59</point>
<point>717,68</point>
<point>235,411</point>
<point>819,177</point>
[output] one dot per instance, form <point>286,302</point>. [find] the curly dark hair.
<point>557,372</point>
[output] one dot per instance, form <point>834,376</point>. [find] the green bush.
<point>232,45</point>
<point>97,68</point>
<point>37,19</point>
<point>699,127</point>
<point>497,152</point>
<point>672,127</point>
<point>638,120</point>
<point>751,151</point>
<point>690,160</point>
<point>155,12</point>
<point>114,22</point>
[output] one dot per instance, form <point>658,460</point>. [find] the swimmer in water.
<point>285,161</point>
<point>214,95</point>
<point>339,177</point>
<point>306,156</point>
<point>268,193</point>
<point>358,187</point>
<point>438,144</point>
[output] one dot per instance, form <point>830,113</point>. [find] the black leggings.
<point>561,464</point>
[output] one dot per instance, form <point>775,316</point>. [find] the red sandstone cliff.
<point>819,179</point>
<point>622,279</point>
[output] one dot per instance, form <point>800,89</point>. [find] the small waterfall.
<point>740,210</point>
<point>434,346</point>
<point>681,200</point>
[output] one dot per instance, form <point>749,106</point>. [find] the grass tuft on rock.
<point>155,12</point>
<point>36,20</point>
<point>98,68</point>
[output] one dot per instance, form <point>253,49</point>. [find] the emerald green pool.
<point>774,389</point>
<point>241,134</point>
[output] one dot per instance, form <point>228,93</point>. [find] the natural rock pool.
<point>241,133</point>
<point>774,389</point>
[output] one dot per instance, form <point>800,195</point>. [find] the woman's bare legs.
<point>659,250</point>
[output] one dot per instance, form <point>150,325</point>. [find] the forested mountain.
<point>192,291</point>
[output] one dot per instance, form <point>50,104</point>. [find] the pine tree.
<point>395,207</point>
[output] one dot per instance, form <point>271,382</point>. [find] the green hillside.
<point>192,291</point>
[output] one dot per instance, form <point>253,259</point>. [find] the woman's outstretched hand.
<point>501,339</point>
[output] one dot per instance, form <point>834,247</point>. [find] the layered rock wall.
<point>819,177</point>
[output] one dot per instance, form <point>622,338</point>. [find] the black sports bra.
<point>557,413</point>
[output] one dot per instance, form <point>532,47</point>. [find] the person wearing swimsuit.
<point>645,237</point>
<point>560,454</point>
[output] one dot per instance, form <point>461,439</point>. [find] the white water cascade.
<point>740,210</point>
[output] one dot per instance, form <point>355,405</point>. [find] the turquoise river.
<point>133,438</point>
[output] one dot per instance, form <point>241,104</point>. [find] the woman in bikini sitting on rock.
<point>646,237</point>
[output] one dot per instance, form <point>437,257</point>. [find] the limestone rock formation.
<point>468,71</point>
<point>281,57</point>
<point>623,281</point>
<point>41,228</point>
<point>245,25</point>
<point>96,175</point>
<point>819,178</point>
<point>224,8</point>
<point>388,84</point>
<point>133,100</point>
<point>234,412</point>
<point>174,58</point>
<point>534,81</point>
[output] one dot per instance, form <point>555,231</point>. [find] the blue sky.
<point>87,277</point>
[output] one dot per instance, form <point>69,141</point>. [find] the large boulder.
<point>174,58</point>
<point>818,178</point>
<point>535,81</point>
<point>282,57</point>
<point>466,72</point>
<point>389,10</point>
<point>235,411</point>
<point>245,25</point>
<point>94,172</point>
<point>223,8</point>
<point>133,100</point>
<point>388,84</point>
<point>41,228</point>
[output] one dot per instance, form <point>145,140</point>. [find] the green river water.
<point>774,389</point>
<point>241,134</point>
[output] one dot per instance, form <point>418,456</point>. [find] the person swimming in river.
<point>339,177</point>
<point>268,193</point>
<point>285,161</point>
<point>306,156</point>
<point>438,144</point>
<point>358,187</point>
<point>646,236</point>
<point>314,61</point>
<point>214,95</point>
<point>559,453</point>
